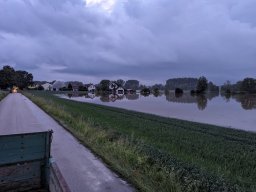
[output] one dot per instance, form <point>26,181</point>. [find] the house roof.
<point>58,84</point>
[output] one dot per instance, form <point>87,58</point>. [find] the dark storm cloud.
<point>153,39</point>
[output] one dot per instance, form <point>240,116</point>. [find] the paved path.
<point>81,169</point>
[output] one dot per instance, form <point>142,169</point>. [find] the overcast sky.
<point>149,40</point>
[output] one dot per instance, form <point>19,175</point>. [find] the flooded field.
<point>237,111</point>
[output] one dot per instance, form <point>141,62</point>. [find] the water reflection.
<point>158,94</point>
<point>90,95</point>
<point>75,94</point>
<point>111,97</point>
<point>180,98</point>
<point>212,95</point>
<point>227,96</point>
<point>201,100</point>
<point>247,101</point>
<point>132,96</point>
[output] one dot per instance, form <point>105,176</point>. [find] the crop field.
<point>156,153</point>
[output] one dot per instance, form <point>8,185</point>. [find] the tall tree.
<point>104,85</point>
<point>249,85</point>
<point>227,87</point>
<point>70,86</point>
<point>158,86</point>
<point>23,79</point>
<point>120,82</point>
<point>7,77</point>
<point>202,84</point>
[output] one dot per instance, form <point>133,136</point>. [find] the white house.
<point>91,88</point>
<point>113,86</point>
<point>57,85</point>
<point>120,91</point>
<point>116,89</point>
<point>47,86</point>
<point>74,84</point>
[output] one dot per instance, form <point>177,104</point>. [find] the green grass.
<point>157,153</point>
<point>3,94</point>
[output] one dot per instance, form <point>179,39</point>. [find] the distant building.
<point>120,91</point>
<point>57,85</point>
<point>47,86</point>
<point>33,86</point>
<point>116,90</point>
<point>75,85</point>
<point>91,88</point>
<point>36,84</point>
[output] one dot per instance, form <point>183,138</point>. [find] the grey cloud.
<point>245,12</point>
<point>138,39</point>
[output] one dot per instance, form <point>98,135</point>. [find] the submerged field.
<point>156,153</point>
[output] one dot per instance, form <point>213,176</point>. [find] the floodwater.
<point>238,111</point>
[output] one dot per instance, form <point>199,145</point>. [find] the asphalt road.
<point>81,169</point>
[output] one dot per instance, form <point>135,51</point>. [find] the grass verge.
<point>3,94</point>
<point>157,153</point>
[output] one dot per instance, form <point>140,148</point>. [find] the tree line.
<point>9,78</point>
<point>247,85</point>
<point>195,85</point>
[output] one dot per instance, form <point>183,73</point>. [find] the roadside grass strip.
<point>3,94</point>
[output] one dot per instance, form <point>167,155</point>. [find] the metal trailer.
<point>26,164</point>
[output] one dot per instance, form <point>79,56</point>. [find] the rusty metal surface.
<point>20,177</point>
<point>24,161</point>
